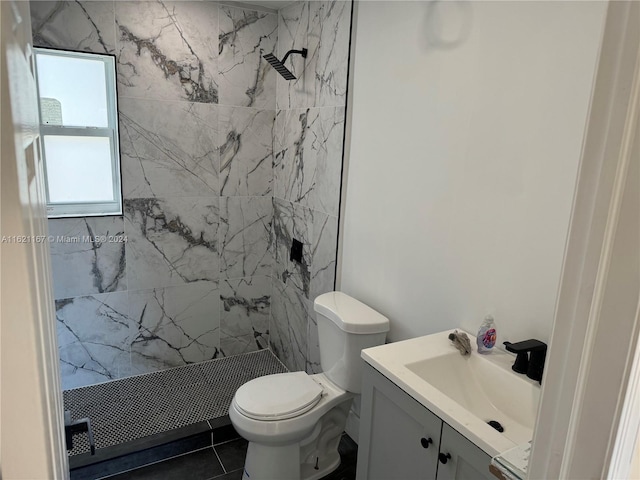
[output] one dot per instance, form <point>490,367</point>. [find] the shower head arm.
<point>302,52</point>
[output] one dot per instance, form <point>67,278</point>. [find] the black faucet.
<point>530,357</point>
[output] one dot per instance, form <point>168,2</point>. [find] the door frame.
<point>588,336</point>
<point>32,437</point>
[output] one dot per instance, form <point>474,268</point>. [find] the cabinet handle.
<point>425,442</point>
<point>444,458</point>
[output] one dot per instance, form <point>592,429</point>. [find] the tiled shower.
<point>223,164</point>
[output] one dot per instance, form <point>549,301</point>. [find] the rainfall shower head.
<point>279,65</point>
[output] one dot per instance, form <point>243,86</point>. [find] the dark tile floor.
<point>225,461</point>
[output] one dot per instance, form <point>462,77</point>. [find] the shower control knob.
<point>425,442</point>
<point>444,458</point>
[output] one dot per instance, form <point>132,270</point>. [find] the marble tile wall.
<point>197,103</point>
<point>323,28</point>
<point>308,145</point>
<point>223,164</point>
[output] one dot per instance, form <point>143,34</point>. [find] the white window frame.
<point>88,208</point>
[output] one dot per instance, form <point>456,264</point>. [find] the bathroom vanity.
<point>401,439</point>
<point>425,410</point>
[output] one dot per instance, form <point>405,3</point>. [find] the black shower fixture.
<point>279,65</point>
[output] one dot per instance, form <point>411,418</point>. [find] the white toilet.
<point>293,421</point>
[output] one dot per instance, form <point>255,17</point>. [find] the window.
<point>79,130</point>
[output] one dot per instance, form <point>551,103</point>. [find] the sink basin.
<point>485,390</point>
<point>466,392</point>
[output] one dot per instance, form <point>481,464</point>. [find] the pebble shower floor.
<point>136,407</point>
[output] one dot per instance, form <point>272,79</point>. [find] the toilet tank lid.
<point>349,314</point>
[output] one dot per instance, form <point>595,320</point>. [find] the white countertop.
<point>392,360</point>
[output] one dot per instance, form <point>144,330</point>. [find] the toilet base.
<point>307,472</point>
<point>310,459</point>
<point>271,462</point>
<point>278,463</point>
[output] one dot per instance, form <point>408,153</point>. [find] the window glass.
<point>79,169</point>
<point>79,132</point>
<point>73,91</point>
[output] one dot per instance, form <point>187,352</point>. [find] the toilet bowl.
<point>293,421</point>
<point>277,439</point>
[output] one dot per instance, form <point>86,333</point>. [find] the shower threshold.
<point>148,418</point>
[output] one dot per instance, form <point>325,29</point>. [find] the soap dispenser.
<point>487,335</point>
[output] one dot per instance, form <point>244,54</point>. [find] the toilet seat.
<point>278,397</point>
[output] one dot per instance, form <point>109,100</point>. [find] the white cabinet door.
<point>464,460</point>
<point>399,438</point>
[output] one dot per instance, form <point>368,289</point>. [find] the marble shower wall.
<point>197,104</point>
<point>308,144</point>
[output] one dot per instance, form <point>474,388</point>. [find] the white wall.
<point>463,160</point>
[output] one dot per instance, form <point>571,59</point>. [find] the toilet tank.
<point>345,327</point>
